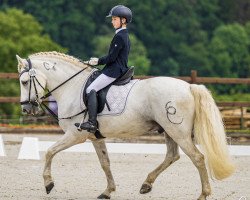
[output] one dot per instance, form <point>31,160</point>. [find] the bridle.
<point>32,74</point>
<point>33,80</point>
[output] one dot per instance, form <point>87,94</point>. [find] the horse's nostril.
<point>24,110</point>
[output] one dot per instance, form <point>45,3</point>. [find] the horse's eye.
<point>24,82</point>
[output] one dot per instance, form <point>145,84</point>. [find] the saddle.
<point>101,95</point>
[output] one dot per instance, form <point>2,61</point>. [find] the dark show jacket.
<point>117,59</point>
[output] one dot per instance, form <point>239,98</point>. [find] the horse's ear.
<point>21,63</point>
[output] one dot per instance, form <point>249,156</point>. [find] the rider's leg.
<point>101,82</point>
<point>91,124</point>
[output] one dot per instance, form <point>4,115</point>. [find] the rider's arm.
<point>117,45</point>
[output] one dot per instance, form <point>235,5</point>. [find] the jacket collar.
<point>119,29</point>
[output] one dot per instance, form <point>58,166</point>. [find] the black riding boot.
<point>91,124</point>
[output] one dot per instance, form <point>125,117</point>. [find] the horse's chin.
<point>33,110</point>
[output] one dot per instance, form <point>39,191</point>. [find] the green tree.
<point>137,56</point>
<point>229,54</point>
<point>20,34</point>
<point>232,11</point>
<point>194,57</point>
<point>178,35</point>
<point>164,27</point>
<point>69,23</point>
<point>229,50</point>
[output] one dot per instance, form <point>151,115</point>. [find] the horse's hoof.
<point>103,196</point>
<point>145,188</point>
<point>49,187</point>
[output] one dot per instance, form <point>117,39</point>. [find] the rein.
<point>33,79</point>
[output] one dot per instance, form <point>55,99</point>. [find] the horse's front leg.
<point>68,140</point>
<point>102,153</point>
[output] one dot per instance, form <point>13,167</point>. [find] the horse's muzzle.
<point>30,108</point>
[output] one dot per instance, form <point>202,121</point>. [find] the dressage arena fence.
<point>236,115</point>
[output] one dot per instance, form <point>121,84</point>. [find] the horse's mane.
<point>65,57</point>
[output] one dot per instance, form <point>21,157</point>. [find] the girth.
<point>102,94</point>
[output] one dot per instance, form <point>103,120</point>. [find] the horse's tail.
<point>210,134</point>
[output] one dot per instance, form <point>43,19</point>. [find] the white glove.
<point>93,61</point>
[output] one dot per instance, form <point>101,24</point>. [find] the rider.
<point>115,63</point>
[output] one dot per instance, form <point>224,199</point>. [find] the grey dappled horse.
<point>166,104</point>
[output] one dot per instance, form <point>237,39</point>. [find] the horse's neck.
<point>68,95</point>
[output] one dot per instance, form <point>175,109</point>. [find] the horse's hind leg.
<point>197,158</point>
<point>171,156</point>
<point>102,153</point>
<point>68,140</point>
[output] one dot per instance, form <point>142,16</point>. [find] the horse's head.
<point>32,85</point>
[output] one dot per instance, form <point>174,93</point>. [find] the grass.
<point>233,97</point>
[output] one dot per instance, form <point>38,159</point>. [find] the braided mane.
<point>65,57</point>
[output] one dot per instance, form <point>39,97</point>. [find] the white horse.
<point>166,104</point>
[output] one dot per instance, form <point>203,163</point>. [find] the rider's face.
<point>117,22</point>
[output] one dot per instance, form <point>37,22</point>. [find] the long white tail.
<point>210,133</point>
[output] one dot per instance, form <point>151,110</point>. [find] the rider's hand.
<point>93,61</point>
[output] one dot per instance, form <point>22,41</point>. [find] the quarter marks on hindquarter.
<point>171,110</point>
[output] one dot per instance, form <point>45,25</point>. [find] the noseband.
<point>32,73</point>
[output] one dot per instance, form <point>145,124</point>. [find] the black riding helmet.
<point>121,11</point>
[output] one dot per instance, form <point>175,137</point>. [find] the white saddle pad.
<point>117,98</point>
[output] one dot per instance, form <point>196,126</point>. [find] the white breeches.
<point>101,82</point>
